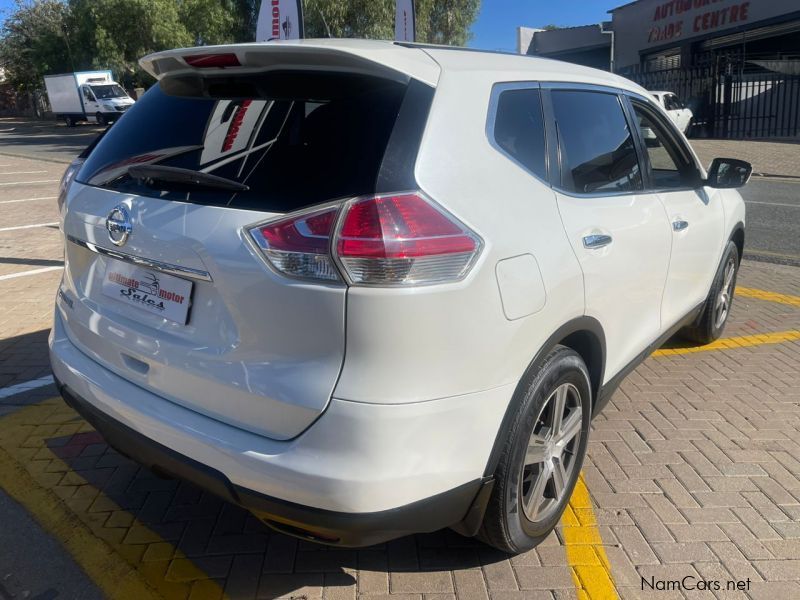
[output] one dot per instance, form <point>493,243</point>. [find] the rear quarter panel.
<point>407,345</point>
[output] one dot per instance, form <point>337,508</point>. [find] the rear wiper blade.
<point>184,176</point>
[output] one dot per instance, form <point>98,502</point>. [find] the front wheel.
<point>101,119</point>
<point>717,309</point>
<point>542,457</point>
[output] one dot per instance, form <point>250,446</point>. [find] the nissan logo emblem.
<point>118,224</point>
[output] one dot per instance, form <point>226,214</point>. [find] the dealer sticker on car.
<point>154,292</point>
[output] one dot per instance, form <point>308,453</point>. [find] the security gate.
<point>734,103</point>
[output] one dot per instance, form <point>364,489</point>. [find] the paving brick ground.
<point>693,470</point>
<point>776,158</point>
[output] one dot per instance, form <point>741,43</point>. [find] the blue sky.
<point>496,26</point>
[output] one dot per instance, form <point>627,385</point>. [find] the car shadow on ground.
<point>39,135</point>
<point>216,536</point>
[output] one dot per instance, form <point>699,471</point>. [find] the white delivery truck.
<point>91,96</point>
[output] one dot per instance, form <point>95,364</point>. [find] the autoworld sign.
<point>662,23</point>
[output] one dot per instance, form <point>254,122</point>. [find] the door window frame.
<point>491,120</point>
<point>692,170</point>
<point>555,148</point>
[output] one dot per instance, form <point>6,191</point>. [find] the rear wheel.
<point>543,455</point>
<point>70,121</point>
<point>717,309</point>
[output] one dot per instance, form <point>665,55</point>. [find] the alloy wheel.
<point>552,453</point>
<point>722,304</point>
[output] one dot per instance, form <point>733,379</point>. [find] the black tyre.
<point>70,121</point>
<point>711,321</point>
<point>542,457</point>
<point>101,119</point>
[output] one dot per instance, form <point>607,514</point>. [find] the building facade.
<point>735,62</point>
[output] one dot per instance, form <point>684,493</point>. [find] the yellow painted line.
<point>768,296</point>
<point>89,524</point>
<point>744,341</point>
<point>591,569</point>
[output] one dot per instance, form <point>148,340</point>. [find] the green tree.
<point>116,33</point>
<point>35,41</point>
<point>438,21</point>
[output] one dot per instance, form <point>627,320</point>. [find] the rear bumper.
<point>362,474</point>
<point>346,529</point>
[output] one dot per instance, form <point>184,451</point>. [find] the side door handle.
<point>594,241</point>
<point>679,225</point>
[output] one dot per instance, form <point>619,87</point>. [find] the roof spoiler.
<point>380,59</point>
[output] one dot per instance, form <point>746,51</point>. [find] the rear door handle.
<point>594,241</point>
<point>679,225</point>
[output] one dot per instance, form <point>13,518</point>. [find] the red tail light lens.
<point>299,246</point>
<point>210,61</point>
<point>403,239</point>
<point>387,240</point>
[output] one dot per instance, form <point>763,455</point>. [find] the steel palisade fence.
<point>729,103</point>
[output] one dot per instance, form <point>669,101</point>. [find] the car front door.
<point>694,211</point>
<point>90,105</point>
<point>619,234</point>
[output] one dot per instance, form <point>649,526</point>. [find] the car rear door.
<point>695,212</point>
<point>162,285</point>
<point>619,234</point>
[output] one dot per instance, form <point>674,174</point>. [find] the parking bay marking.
<point>28,199</point>
<point>24,173</point>
<point>26,273</point>
<point>28,226</point>
<point>29,182</point>
<point>744,341</point>
<point>25,386</point>
<point>768,296</point>
<point>591,569</point>
<point>38,482</point>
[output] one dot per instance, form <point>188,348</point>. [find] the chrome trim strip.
<point>147,263</point>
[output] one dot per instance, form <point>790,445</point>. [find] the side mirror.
<point>728,173</point>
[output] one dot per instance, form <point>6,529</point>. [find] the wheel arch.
<point>585,336</point>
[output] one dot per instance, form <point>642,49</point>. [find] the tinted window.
<point>596,146</point>
<point>293,139</point>
<point>669,167</point>
<point>519,128</point>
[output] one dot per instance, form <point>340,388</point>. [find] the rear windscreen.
<point>294,139</point>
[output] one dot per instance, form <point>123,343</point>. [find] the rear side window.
<point>519,129</point>
<point>596,147</point>
<point>293,139</point>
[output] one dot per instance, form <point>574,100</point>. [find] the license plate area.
<point>148,290</point>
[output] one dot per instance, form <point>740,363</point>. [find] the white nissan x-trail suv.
<point>366,289</point>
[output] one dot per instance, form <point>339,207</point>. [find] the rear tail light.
<point>299,246</point>
<point>386,240</point>
<point>403,239</point>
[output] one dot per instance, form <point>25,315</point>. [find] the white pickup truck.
<point>91,96</point>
